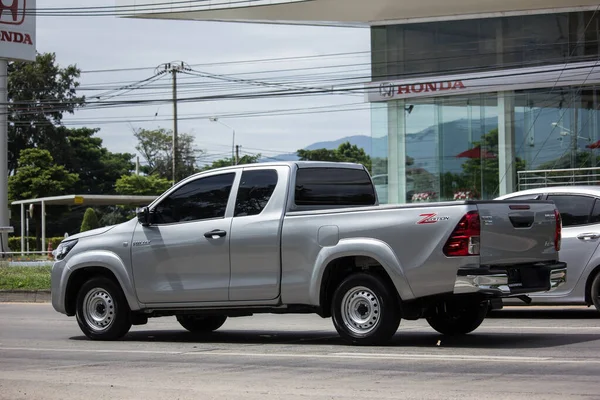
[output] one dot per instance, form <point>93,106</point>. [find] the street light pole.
<point>234,159</point>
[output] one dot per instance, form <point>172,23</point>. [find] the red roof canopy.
<point>475,152</point>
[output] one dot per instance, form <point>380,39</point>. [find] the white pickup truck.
<point>305,237</point>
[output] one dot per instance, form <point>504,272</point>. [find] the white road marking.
<point>372,356</point>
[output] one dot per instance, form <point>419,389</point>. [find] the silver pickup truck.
<point>305,237</point>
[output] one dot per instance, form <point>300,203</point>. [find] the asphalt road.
<point>522,354</point>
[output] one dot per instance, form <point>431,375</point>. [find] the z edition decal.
<point>431,219</point>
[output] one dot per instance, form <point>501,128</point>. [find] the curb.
<point>25,296</point>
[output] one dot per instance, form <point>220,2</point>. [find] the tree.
<point>39,94</point>
<point>583,159</point>
<point>98,169</point>
<point>226,162</point>
<point>90,220</point>
<point>142,185</point>
<point>346,152</point>
<point>318,155</point>
<point>156,147</point>
<point>38,176</point>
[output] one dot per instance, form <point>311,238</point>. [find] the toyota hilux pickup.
<point>305,237</point>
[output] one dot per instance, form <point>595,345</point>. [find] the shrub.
<point>14,242</point>
<point>90,220</point>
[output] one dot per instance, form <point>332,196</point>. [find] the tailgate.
<point>515,232</point>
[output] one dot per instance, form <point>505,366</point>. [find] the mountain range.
<point>457,136</point>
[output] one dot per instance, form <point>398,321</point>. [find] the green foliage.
<point>346,152</point>
<point>38,176</point>
<point>142,185</point>
<point>32,83</point>
<point>583,159</point>
<point>25,278</point>
<point>14,242</point>
<point>227,162</point>
<point>156,148</point>
<point>81,152</point>
<point>116,214</point>
<point>90,220</point>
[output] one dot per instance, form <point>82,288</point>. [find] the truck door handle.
<point>217,233</point>
<point>588,236</point>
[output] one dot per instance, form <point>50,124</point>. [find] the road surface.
<point>521,354</point>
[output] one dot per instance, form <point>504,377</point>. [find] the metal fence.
<point>558,177</point>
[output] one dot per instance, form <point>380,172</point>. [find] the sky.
<point>103,43</point>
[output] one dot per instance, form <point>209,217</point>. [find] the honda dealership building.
<point>464,94</point>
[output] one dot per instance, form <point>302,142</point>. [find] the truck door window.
<point>595,217</point>
<point>203,198</point>
<point>256,188</point>
<point>334,187</point>
<point>574,210</point>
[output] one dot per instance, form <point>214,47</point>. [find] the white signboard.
<point>573,74</point>
<point>17,30</point>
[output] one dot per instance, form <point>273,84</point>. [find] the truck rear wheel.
<point>365,310</point>
<point>102,311</point>
<point>595,292</point>
<point>458,318</point>
<point>201,324</point>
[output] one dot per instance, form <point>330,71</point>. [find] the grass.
<point>24,278</point>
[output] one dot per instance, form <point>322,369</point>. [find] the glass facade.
<point>472,145</point>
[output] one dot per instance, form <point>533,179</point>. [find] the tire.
<point>102,311</point>
<point>595,292</point>
<point>458,318</point>
<point>365,311</point>
<point>201,324</point>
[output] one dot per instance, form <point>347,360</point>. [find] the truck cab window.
<point>334,187</point>
<point>203,198</point>
<point>254,193</point>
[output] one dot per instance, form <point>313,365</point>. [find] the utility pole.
<point>173,68</point>
<point>237,154</point>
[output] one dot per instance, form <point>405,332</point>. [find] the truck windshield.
<point>333,187</point>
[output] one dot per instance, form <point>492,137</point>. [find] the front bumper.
<point>57,290</point>
<point>514,280</point>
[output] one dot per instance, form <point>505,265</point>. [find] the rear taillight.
<point>464,240</point>
<point>558,231</point>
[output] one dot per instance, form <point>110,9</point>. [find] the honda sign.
<point>17,30</point>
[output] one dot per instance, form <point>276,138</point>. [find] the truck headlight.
<point>63,249</point>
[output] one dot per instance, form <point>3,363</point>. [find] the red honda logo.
<point>12,12</point>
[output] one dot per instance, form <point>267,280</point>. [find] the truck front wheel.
<point>365,310</point>
<point>457,318</point>
<point>201,324</point>
<point>102,311</point>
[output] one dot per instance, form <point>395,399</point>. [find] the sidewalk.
<point>25,296</point>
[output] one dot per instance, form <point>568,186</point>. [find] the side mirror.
<point>143,216</point>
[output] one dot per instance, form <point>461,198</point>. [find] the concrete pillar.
<point>44,248</point>
<point>22,228</point>
<point>396,152</point>
<point>506,142</point>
